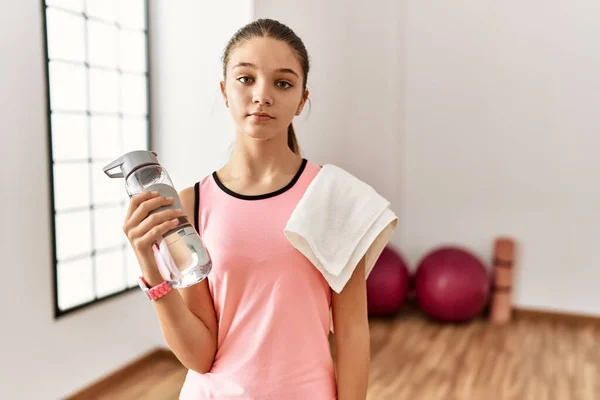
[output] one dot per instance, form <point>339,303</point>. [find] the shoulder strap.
<point>196,206</point>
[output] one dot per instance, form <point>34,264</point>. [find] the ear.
<point>224,93</point>
<point>302,102</point>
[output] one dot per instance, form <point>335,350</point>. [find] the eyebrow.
<point>250,65</point>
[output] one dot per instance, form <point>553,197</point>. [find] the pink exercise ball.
<point>451,285</point>
<point>387,284</point>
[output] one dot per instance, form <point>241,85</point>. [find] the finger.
<point>138,199</point>
<point>155,233</point>
<point>154,220</point>
<point>145,208</point>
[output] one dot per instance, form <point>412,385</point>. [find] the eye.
<point>244,79</point>
<point>283,85</point>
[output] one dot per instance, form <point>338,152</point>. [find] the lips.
<point>262,115</point>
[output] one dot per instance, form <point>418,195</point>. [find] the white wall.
<point>496,130</point>
<point>500,135</point>
<point>193,130</point>
<point>45,358</point>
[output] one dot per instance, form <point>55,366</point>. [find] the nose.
<point>262,94</point>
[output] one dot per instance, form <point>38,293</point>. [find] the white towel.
<point>339,220</point>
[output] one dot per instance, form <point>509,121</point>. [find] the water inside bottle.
<point>184,249</point>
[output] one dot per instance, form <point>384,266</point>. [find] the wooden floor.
<point>413,358</point>
<point>530,359</point>
<point>158,377</point>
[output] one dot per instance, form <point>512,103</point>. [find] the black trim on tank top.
<point>196,206</point>
<point>265,195</point>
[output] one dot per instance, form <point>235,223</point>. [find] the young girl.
<point>258,326</point>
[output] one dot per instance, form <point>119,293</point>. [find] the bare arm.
<point>189,330</point>
<point>187,317</point>
<point>352,338</point>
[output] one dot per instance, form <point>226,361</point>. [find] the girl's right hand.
<point>143,229</point>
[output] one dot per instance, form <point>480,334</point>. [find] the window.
<point>98,109</point>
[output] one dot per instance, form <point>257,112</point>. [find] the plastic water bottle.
<point>181,255</point>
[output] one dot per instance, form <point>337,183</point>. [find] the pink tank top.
<point>272,304</point>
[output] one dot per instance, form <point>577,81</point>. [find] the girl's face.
<point>264,88</point>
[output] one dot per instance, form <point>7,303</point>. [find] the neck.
<point>258,159</point>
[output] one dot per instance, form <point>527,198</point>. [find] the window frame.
<point>58,312</point>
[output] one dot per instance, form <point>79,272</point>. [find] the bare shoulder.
<point>187,194</point>
<point>187,200</point>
